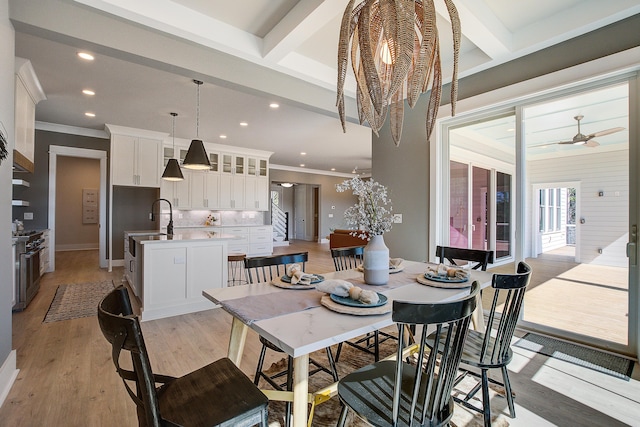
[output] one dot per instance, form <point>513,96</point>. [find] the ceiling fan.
<point>587,140</point>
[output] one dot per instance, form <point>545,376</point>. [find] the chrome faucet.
<point>170,225</point>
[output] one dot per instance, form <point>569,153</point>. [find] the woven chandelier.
<point>395,54</point>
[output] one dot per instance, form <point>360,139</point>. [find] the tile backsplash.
<point>223,218</point>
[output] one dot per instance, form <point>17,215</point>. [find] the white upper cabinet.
<point>205,187</point>
<point>136,157</point>
<point>28,93</point>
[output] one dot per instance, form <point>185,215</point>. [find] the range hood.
<point>21,163</point>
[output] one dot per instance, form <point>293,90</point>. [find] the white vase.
<point>376,261</point>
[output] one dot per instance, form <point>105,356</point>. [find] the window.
<point>550,210</point>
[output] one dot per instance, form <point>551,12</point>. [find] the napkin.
<point>395,263</point>
<point>342,288</point>
<point>298,277</point>
<point>448,271</point>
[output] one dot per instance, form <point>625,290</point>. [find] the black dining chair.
<point>492,349</point>
<point>401,393</point>
<point>348,259</point>
<point>218,394</point>
<point>481,257</point>
<point>264,269</point>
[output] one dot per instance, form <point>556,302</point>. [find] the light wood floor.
<point>67,378</point>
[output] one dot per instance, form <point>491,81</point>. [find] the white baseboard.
<point>283,243</point>
<point>323,240</point>
<point>8,374</point>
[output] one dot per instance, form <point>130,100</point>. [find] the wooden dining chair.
<point>218,394</point>
<point>348,259</point>
<point>481,257</point>
<point>492,349</point>
<point>265,269</point>
<point>401,393</point>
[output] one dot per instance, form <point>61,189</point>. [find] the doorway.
<point>570,191</point>
<point>54,152</point>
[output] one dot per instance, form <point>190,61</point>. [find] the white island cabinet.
<point>176,269</point>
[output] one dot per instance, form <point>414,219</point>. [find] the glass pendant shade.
<point>172,172</point>
<point>196,157</point>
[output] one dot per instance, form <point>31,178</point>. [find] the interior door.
<point>300,211</point>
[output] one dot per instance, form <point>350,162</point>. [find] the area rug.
<point>590,358</point>
<point>73,301</point>
<point>327,414</point>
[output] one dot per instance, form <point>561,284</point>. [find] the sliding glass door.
<point>572,191</point>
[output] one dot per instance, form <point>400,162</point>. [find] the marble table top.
<point>308,330</point>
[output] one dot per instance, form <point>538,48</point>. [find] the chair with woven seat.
<point>348,259</point>
<point>264,269</point>
<point>492,349</point>
<point>218,394</point>
<point>399,393</point>
<point>481,257</point>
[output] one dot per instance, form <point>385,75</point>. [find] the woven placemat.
<point>73,301</point>
<point>448,285</point>
<point>284,285</point>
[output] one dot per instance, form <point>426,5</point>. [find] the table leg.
<point>236,341</point>
<point>300,390</point>
<point>477,317</point>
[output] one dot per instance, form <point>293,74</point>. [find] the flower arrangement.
<point>211,220</point>
<point>373,212</point>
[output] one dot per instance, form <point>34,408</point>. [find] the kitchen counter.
<point>181,236</point>
<point>169,273</point>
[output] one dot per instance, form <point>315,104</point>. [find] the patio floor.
<point>586,299</point>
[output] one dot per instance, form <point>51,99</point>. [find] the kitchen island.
<point>171,271</point>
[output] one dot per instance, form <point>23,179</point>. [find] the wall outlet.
<point>397,218</point>
<point>28,215</point>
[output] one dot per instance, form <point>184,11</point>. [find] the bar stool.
<point>236,269</point>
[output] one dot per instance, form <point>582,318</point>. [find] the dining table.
<point>295,319</point>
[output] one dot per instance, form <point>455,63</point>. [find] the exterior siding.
<point>606,218</point>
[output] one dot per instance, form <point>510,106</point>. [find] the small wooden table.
<point>300,333</point>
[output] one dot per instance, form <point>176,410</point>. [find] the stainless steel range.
<point>29,244</point>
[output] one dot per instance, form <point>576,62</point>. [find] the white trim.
<point>71,130</point>
<point>25,72</point>
<point>54,152</point>
<point>311,171</point>
<point>140,133</point>
<point>8,375</point>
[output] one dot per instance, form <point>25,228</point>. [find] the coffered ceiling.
<point>251,53</point>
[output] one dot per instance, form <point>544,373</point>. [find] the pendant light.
<point>196,157</point>
<point>173,172</point>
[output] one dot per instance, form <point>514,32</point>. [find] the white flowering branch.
<point>370,214</point>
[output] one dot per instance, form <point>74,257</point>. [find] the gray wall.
<point>405,169</point>
<point>329,197</point>
<point>38,193</point>
<point>6,117</point>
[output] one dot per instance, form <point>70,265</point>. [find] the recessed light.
<point>274,105</point>
<point>90,114</point>
<point>301,165</point>
<point>88,92</point>
<point>244,124</point>
<point>85,55</point>
<point>303,153</point>
<point>223,136</point>
<point>333,169</point>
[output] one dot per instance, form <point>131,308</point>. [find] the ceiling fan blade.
<point>572,142</point>
<point>591,143</point>
<point>605,132</point>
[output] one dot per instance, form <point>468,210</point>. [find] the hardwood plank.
<point>67,378</point>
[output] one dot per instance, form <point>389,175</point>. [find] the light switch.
<point>330,215</point>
